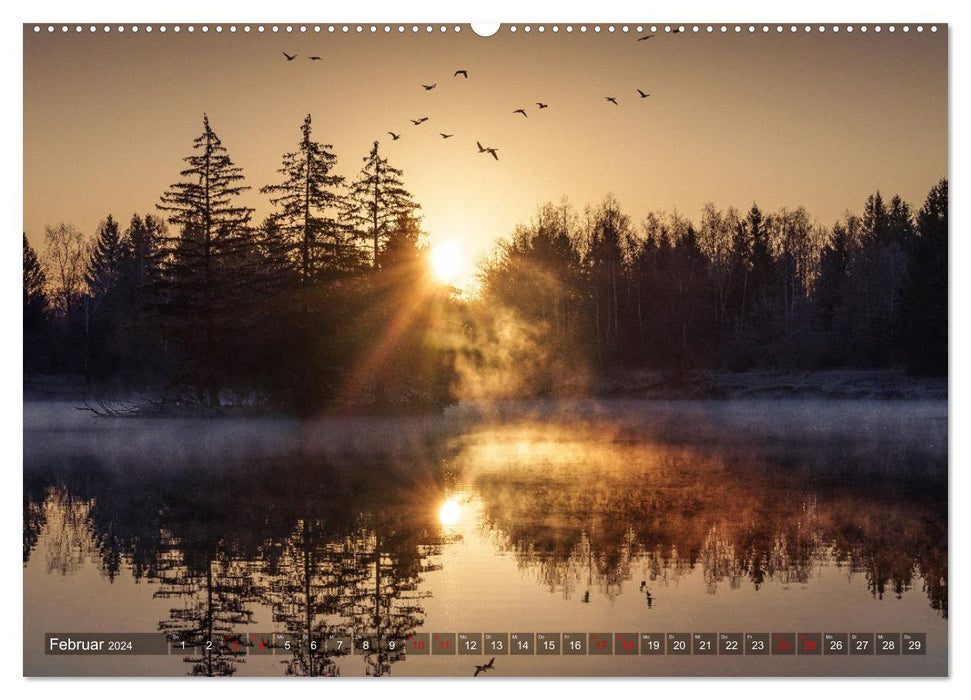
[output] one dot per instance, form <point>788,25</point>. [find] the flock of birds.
<point>494,152</point>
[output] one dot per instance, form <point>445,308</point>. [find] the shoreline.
<point>693,385</point>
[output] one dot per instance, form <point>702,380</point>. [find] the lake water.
<point>590,517</point>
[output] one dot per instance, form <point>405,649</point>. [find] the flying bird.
<point>394,136</point>
<point>542,105</point>
<point>445,136</point>
<point>463,73</point>
<point>314,58</point>
<point>611,99</point>
<point>642,93</point>
<point>289,57</point>
<point>645,38</point>
<point>418,121</point>
<point>429,87</point>
<point>521,111</point>
<point>480,668</point>
<point>483,149</point>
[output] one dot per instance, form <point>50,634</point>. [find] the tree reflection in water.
<point>667,510</point>
<point>341,546</point>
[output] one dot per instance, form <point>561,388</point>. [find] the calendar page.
<point>531,350</point>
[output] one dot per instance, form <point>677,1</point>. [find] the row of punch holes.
<point>441,28</point>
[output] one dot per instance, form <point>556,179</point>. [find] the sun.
<point>446,259</point>
<point>449,513</point>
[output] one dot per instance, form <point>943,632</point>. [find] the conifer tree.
<point>206,268</point>
<point>142,243</point>
<point>308,201</point>
<point>377,200</point>
<point>925,297</point>
<point>105,263</point>
<point>35,281</point>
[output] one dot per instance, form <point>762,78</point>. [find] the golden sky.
<point>820,120</point>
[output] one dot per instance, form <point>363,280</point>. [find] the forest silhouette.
<point>330,301</point>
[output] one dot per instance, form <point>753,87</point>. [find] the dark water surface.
<point>608,517</point>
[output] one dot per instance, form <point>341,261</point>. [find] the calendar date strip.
<point>497,644</point>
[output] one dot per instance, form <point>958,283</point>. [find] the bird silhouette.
<point>463,73</point>
<point>645,38</point>
<point>429,87</point>
<point>611,99</point>
<point>394,136</point>
<point>483,149</point>
<point>289,57</point>
<point>521,111</point>
<point>542,105</point>
<point>481,668</point>
<point>418,121</point>
<point>642,93</point>
<point>445,136</point>
<point>314,58</point>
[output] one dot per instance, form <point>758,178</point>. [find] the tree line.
<point>734,291</point>
<point>329,300</point>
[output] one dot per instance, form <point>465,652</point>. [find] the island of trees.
<point>329,300</point>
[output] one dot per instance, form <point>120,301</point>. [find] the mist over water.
<point>584,516</point>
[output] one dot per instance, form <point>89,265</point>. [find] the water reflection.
<point>338,546</point>
<point>670,510</point>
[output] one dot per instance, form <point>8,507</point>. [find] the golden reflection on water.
<point>527,522</point>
